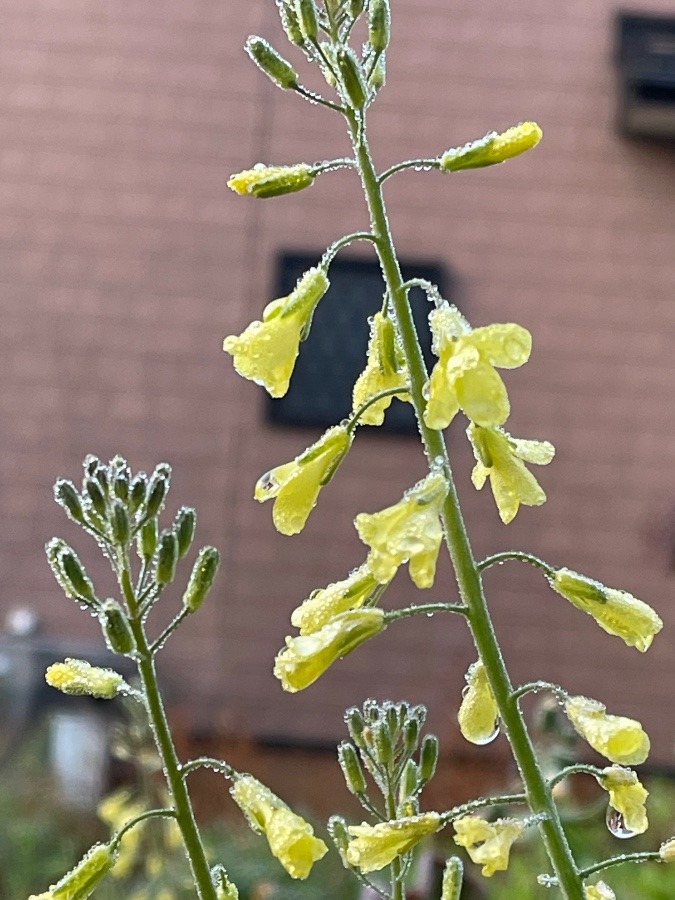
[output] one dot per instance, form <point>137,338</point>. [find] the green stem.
<point>533,687</point>
<point>646,856</point>
<point>427,609</point>
<point>180,797</point>
<point>577,768</point>
<point>356,415</point>
<point>519,555</point>
<point>409,164</point>
<point>148,814</point>
<point>467,574</point>
<point>208,762</point>
<point>466,808</point>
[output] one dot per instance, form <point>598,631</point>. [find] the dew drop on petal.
<point>616,824</point>
<point>487,739</point>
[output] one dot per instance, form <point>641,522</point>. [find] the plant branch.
<point>390,392</point>
<point>577,768</point>
<point>148,814</point>
<point>518,555</point>
<point>427,609</point>
<point>646,856</point>
<point>409,164</point>
<point>458,811</point>
<point>208,762</point>
<point>159,642</point>
<point>535,687</point>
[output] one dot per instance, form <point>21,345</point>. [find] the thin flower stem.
<point>170,628</point>
<point>459,811</point>
<point>180,797</point>
<point>408,164</point>
<point>208,762</point>
<point>467,573</point>
<point>428,286</point>
<point>366,804</point>
<point>317,98</point>
<point>577,768</point>
<point>390,392</point>
<point>518,555</point>
<point>427,609</point>
<point>532,687</point>
<point>148,814</point>
<point>645,856</point>
<point>343,162</point>
<point>331,252</point>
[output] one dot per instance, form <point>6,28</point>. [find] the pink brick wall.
<point>124,260</point>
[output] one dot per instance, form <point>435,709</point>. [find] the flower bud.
<point>351,768</point>
<point>225,890</point>
<point>488,843</point>
<point>599,891</point>
<point>184,526</point>
<point>120,485</point>
<point>411,736</point>
<point>81,881</point>
<point>356,8</point>
<point>167,557</point>
<point>53,550</point>
<point>137,492</point>
<point>77,677</point>
<point>76,575</point>
<point>271,181</point>
<point>290,23</point>
<point>307,17</point>
<point>410,780</point>
<point>271,63</point>
<point>116,627</point>
<point>453,876</point>
<point>202,578</point>
<point>428,757</point>
<point>379,24</point>
<point>157,490</point>
<point>337,829</point>
<point>91,464</point>
<point>492,149</point>
<point>384,747</point>
<point>355,724</point>
<point>95,492</point>
<point>66,495</point>
<point>378,76</point>
<point>351,76</point>
<point>119,522</point>
<point>667,851</point>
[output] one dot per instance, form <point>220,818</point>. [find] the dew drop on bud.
<point>617,825</point>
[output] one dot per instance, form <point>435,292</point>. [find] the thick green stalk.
<point>182,804</point>
<point>467,574</point>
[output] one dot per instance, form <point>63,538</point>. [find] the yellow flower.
<point>667,851</point>
<point>409,531</point>
<point>627,796</point>
<point>493,148</point>
<point>465,376</point>
<point>617,612</point>
<point>373,847</point>
<point>617,738</point>
<point>266,351</point>
<point>323,605</point>
<point>488,843</point>
<point>290,837</point>
<point>385,370</point>
<point>270,181</point>
<point>306,658</point>
<point>599,891</point>
<point>478,713</point>
<point>76,676</point>
<point>296,485</point>
<point>500,458</point>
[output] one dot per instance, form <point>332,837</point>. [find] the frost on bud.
<point>307,18</point>
<point>493,148</point>
<point>137,491</point>
<point>147,539</point>
<point>351,768</point>
<point>617,738</point>
<point>378,76</point>
<point>290,23</point>
<point>201,579</point>
<point>271,63</point>
<point>351,77</point>
<point>157,490</point>
<point>627,796</point>
<point>337,829</point>
<point>372,847</point>
<point>81,881</point>
<point>453,875</point>
<point>355,725</point>
<point>616,612</point>
<point>167,557</point>
<point>95,493</point>
<point>184,526</point>
<point>119,523</point>
<point>225,890</point>
<point>116,628</point>
<point>78,677</point>
<point>356,8</point>
<point>667,851</point>
<point>428,757</point>
<point>271,181</point>
<point>478,713</point>
<point>379,24</point>
<point>53,550</point>
<point>410,781</point>
<point>67,496</point>
<point>76,576</point>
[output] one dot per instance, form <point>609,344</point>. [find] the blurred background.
<point>125,260</point>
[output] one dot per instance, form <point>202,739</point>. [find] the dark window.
<point>334,354</point>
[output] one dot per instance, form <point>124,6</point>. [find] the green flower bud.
<point>492,149</point>
<point>410,781</point>
<point>337,829</point>
<point>202,578</point>
<point>351,76</point>
<point>411,736</point>
<point>383,743</point>
<point>355,725</point>
<point>116,628</point>
<point>76,575</point>
<point>452,879</point>
<point>95,492</point>
<point>157,490</point>
<point>119,521</point>
<point>428,757</point>
<point>379,25</point>
<point>391,716</point>
<point>290,24</point>
<point>309,23</point>
<point>53,550</point>
<point>271,63</point>
<point>147,539</point>
<point>91,464</point>
<point>351,768</point>
<point>121,478</point>
<point>225,890</point>
<point>137,492</point>
<point>67,496</point>
<point>356,8</point>
<point>271,181</point>
<point>101,475</point>
<point>167,558</point>
<point>184,526</point>
<point>81,881</point>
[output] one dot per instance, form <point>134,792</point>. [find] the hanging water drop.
<point>617,824</point>
<point>483,740</point>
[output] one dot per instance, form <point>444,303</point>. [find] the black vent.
<point>646,61</point>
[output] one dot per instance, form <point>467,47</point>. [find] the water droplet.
<point>547,880</point>
<point>481,741</point>
<point>617,825</point>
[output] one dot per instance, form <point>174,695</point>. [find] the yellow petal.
<point>76,676</point>
<point>599,891</point>
<point>375,846</point>
<point>482,395</point>
<point>323,605</point>
<point>617,738</point>
<point>507,346</point>
<point>488,843</point>
<point>271,181</point>
<point>493,148</point>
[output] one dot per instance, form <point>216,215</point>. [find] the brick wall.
<point>124,260</point>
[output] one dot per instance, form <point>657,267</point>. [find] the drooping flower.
<point>488,843</point>
<point>306,658</point>
<point>77,676</point>
<point>266,351</point>
<point>323,605</point>
<point>372,847</point>
<point>501,458</point>
<point>478,713</point>
<point>599,891</point>
<point>627,796</point>
<point>409,531</point>
<point>271,181</point>
<point>295,485</point>
<point>290,837</point>
<point>617,738</point>
<point>465,376</point>
<point>493,148</point>
<point>617,612</point>
<point>385,370</point>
